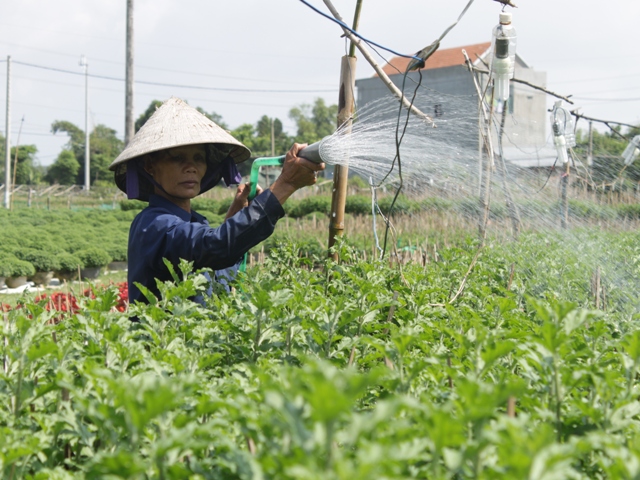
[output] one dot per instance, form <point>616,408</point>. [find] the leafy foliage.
<point>65,169</point>
<point>14,267</point>
<point>23,158</point>
<point>94,257</point>
<point>42,260</point>
<point>104,148</point>
<point>352,371</point>
<point>69,262</point>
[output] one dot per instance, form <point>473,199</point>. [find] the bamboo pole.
<point>341,172</point>
<point>346,105</point>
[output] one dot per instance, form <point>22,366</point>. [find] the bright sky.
<point>250,58</point>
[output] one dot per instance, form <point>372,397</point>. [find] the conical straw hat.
<point>176,124</point>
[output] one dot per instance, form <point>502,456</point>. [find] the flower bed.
<point>65,302</point>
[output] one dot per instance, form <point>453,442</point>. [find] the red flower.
<point>59,301</point>
<point>67,303</point>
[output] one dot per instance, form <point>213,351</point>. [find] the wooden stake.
<point>511,272</point>
<point>251,445</point>
<point>511,407</point>
<point>392,310</point>
<point>341,172</point>
<point>595,287</point>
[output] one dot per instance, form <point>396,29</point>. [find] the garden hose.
<point>311,153</point>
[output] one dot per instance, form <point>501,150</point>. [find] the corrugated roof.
<point>448,57</point>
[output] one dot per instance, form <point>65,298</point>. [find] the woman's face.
<point>179,171</point>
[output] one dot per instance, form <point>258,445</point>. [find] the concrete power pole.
<point>87,163</point>
<point>590,151</point>
<point>273,140</point>
<point>7,146</point>
<point>128,116</point>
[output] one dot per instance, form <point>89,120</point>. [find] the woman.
<point>178,154</point>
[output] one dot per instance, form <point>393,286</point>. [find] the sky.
<point>243,59</point>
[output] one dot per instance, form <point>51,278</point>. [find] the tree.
<point>607,149</point>
<point>64,170</point>
<point>214,117</point>
<point>282,141</point>
<point>25,172</point>
<point>104,148</point>
<point>314,122</point>
<point>142,119</point>
<point>153,106</point>
<point>244,134</point>
<point>2,154</point>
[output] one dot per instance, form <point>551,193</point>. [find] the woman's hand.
<point>241,199</point>
<point>297,172</point>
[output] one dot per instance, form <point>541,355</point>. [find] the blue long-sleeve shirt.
<point>164,230</point>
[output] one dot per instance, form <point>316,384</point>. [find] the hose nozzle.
<point>312,152</point>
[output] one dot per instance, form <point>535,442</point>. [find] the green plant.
<point>42,260</point>
<point>5,264</point>
<point>94,257</point>
<point>223,206</point>
<point>208,204</point>
<point>354,370</point>
<point>305,206</point>
<point>19,268</point>
<point>117,251</point>
<point>69,262</point>
<point>136,205</point>
<point>358,205</point>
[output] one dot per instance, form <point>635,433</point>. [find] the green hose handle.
<point>255,171</point>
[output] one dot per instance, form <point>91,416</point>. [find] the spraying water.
<point>429,152</point>
<point>446,160</point>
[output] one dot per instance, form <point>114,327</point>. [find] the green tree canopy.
<point>2,154</point>
<point>607,148</point>
<point>142,119</point>
<point>104,148</point>
<point>214,117</point>
<point>25,172</point>
<point>64,170</point>
<point>245,134</point>
<point>314,122</point>
<point>153,106</point>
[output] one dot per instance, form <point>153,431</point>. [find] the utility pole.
<point>128,116</point>
<point>590,151</point>
<point>7,147</point>
<point>273,140</point>
<point>87,165</point>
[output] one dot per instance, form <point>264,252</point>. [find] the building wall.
<point>525,128</point>
<point>449,80</point>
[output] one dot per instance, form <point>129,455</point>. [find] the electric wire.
<point>160,84</point>
<point>397,156</point>
<point>353,32</point>
<point>398,137</point>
